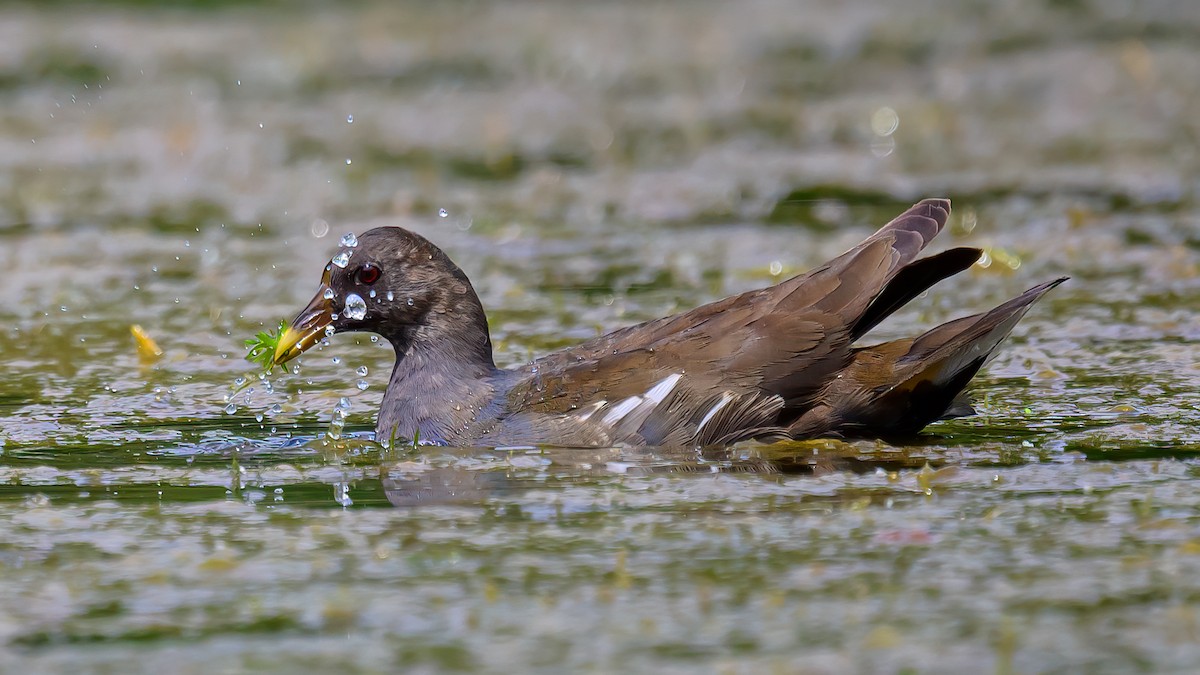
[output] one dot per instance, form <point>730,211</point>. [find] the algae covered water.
<point>190,169</point>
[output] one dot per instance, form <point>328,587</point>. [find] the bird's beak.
<point>308,327</point>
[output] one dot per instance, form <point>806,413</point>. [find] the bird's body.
<point>779,362</point>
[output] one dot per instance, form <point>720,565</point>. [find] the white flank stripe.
<point>726,397</point>
<point>660,391</point>
<point>620,410</point>
<point>591,409</point>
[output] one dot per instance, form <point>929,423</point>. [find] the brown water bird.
<point>779,362</point>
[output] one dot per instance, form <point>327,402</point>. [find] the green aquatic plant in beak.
<point>261,348</point>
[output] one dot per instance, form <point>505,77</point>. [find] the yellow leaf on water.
<point>882,637</point>
<point>1078,216</point>
<point>491,592</point>
<point>147,348</point>
<point>218,564</point>
<point>338,615</point>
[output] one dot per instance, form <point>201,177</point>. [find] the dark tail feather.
<point>897,388</point>
<point>941,362</point>
<point>911,281</point>
<point>981,332</point>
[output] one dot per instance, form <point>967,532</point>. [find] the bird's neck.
<point>442,379</point>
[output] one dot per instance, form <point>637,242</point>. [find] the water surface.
<point>190,170</point>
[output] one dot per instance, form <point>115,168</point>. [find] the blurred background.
<point>189,167</point>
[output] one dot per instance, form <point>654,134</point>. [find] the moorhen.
<point>776,363</point>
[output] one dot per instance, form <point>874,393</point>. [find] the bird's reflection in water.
<point>471,481</point>
<point>445,485</point>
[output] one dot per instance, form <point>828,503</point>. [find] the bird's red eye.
<point>368,274</point>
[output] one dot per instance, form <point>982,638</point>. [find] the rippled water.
<point>190,170</point>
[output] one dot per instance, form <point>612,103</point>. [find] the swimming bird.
<point>782,362</point>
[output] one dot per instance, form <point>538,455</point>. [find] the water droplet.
<point>391,296</point>
<point>230,409</point>
<point>442,213</point>
<point>349,161</point>
<point>320,228</point>
<point>362,371</point>
<point>885,121</point>
<point>342,259</point>
<point>258,417</point>
<point>362,385</point>
<point>276,409</point>
<point>329,330</point>
<point>349,119</point>
<point>356,307</point>
<point>239,382</point>
<point>374,338</point>
<point>372,293</point>
<point>337,360</point>
<point>349,240</point>
<point>328,294</point>
<point>776,268</point>
<point>410,302</point>
<point>883,146</point>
